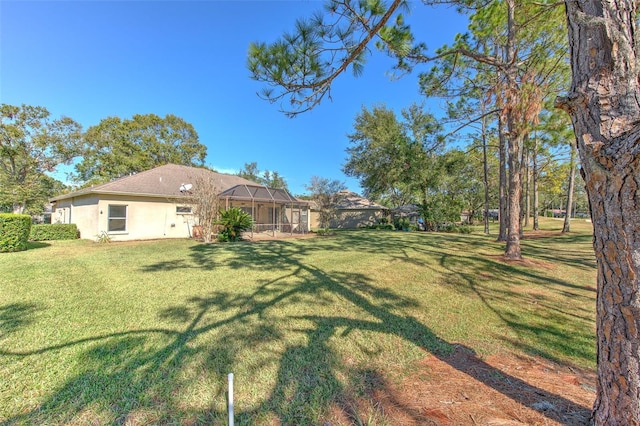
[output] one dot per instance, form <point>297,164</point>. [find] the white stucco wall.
<point>146,218</point>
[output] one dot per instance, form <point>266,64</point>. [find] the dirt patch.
<point>463,389</point>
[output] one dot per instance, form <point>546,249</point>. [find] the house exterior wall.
<point>314,219</point>
<point>266,219</point>
<point>356,218</point>
<point>146,218</point>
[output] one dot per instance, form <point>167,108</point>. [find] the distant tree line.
<point>33,144</point>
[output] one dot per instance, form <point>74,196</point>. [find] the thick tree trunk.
<point>485,176</point>
<point>527,187</point>
<point>536,200</point>
<point>503,209</point>
<point>572,179</point>
<point>512,250</point>
<point>604,106</point>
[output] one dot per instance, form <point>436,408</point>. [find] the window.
<point>183,210</point>
<point>117,218</point>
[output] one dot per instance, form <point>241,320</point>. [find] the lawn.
<point>146,332</point>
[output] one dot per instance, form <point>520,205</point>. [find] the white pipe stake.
<point>230,379</point>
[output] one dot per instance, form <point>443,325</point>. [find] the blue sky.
<point>93,59</point>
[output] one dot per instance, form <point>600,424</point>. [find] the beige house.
<point>352,212</point>
<point>156,204</point>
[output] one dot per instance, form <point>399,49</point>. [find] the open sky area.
<point>90,60</point>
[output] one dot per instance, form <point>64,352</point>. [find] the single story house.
<point>157,203</point>
<point>352,212</point>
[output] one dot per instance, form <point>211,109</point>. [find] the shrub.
<point>14,231</point>
<point>465,229</point>
<point>381,225</point>
<point>455,228</point>
<point>56,231</point>
<point>103,238</point>
<point>233,221</point>
<point>324,232</point>
<point>402,224</point>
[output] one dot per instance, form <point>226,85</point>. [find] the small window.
<point>117,218</point>
<point>184,210</point>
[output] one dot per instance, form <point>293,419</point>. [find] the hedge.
<point>14,232</point>
<point>56,231</point>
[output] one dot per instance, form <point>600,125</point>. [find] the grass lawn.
<point>146,332</point>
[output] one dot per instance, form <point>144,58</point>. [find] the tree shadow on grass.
<point>32,245</point>
<point>15,316</point>
<point>177,374</point>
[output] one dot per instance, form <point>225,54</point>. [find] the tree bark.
<point>566,227</point>
<point>512,250</point>
<point>515,139</point>
<point>527,187</point>
<point>485,176</point>
<point>536,200</point>
<point>503,205</point>
<point>604,106</point>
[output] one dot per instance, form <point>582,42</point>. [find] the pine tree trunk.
<point>604,106</point>
<point>485,176</point>
<point>503,205</point>
<point>512,250</point>
<point>527,187</point>
<point>572,179</point>
<point>536,200</point>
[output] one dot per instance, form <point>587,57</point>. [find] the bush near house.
<point>233,222</point>
<point>56,231</point>
<point>14,232</point>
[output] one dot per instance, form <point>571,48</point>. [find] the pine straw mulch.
<point>463,389</point>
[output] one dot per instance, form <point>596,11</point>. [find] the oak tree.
<point>118,147</point>
<point>31,144</point>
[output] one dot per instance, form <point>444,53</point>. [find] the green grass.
<point>146,332</point>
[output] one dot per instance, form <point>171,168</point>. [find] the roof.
<point>165,181</point>
<point>259,193</point>
<point>352,201</point>
<point>407,210</point>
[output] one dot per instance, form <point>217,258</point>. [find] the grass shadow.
<point>177,374</point>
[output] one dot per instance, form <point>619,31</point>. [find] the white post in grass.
<point>230,379</point>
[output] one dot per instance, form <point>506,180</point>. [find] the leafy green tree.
<point>391,157</point>
<point>514,39</point>
<point>266,177</point>
<point>117,147</point>
<point>31,144</point>
<point>251,172</point>
<point>274,180</point>
<point>326,194</point>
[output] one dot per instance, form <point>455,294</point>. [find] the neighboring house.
<point>353,211</point>
<point>411,212</point>
<point>155,204</point>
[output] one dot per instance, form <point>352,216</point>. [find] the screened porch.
<point>274,211</point>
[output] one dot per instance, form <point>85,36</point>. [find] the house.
<point>352,212</point>
<point>157,204</point>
